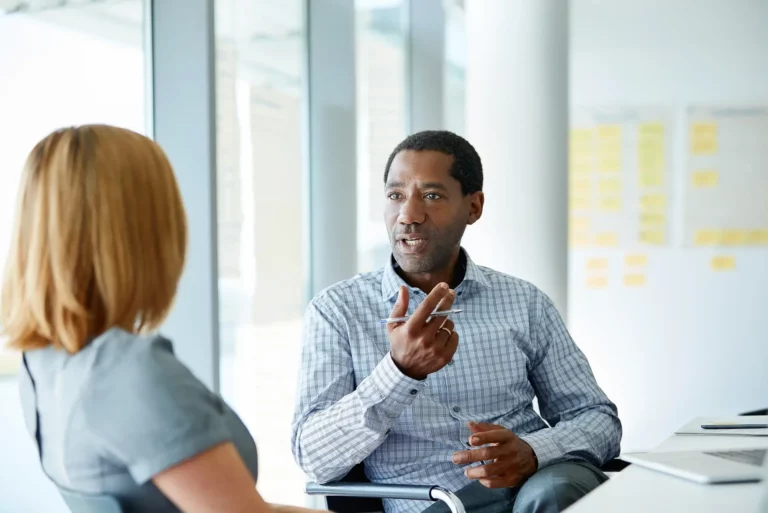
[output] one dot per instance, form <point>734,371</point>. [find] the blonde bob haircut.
<point>99,239</point>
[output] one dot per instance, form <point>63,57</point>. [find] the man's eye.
<point>432,196</point>
<point>394,196</point>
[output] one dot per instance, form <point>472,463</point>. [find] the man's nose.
<point>412,211</point>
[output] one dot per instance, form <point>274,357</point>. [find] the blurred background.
<point>625,146</point>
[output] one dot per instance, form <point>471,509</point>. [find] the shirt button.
<point>414,391</point>
<point>456,409</point>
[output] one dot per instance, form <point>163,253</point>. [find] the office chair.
<point>356,494</point>
<point>87,503</point>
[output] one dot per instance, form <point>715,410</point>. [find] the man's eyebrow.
<point>423,185</point>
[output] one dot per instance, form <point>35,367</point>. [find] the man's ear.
<point>477,200</point>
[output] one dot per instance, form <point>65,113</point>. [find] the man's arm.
<point>585,423</point>
<point>335,425</point>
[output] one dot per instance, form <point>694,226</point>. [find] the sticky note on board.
<point>652,237</point>
<point>734,237</point>
<point>653,201</point>
<point>723,263</point>
<point>650,130</point>
<point>609,186</point>
<point>638,260</point>
<point>707,237</point>
<point>757,237</point>
<point>703,138</point>
<point>634,280</point>
<point>610,163</point>
<point>704,178</point>
<point>580,185</point>
<point>608,132</point>
<point>650,218</point>
<point>650,179</point>
<point>578,240</point>
<point>597,282</point>
<point>610,204</point>
<point>597,264</point>
<point>579,202</point>
<point>607,239</point>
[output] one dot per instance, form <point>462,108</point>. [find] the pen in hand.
<point>441,313</point>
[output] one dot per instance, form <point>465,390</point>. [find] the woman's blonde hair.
<point>99,240</point>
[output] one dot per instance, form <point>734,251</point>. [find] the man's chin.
<point>412,264</point>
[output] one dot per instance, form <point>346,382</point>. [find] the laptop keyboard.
<point>752,457</point>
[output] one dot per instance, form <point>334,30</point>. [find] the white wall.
<point>690,342</point>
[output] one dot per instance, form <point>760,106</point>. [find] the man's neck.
<point>428,281</point>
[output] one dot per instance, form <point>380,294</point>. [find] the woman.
<point>97,252</point>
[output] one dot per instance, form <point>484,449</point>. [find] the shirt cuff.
<point>544,447</point>
<point>396,390</point>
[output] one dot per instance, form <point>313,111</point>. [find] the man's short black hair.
<point>467,167</point>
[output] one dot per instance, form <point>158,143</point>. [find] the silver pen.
<point>441,313</point>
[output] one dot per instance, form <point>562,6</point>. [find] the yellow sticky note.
<point>650,130</point>
<point>703,129</point>
<point>647,218</point>
<point>653,201</point>
<point>651,179</point>
<point>636,260</point>
<point>580,185</point>
<point>579,202</point>
<point>723,263</point>
<point>610,204</point>
<point>581,135</point>
<point>653,237</point>
<point>610,185</point>
<point>704,146</point>
<point>578,240</point>
<point>705,178</point>
<point>651,163</point>
<point>607,239</point>
<point>634,280</point>
<point>734,237</point>
<point>609,132</point>
<point>597,282</point>
<point>758,237</point>
<point>609,163</point>
<point>707,237</point>
<point>597,264</point>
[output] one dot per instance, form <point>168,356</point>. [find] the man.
<point>440,401</point>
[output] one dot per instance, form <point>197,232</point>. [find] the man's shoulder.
<point>507,282</point>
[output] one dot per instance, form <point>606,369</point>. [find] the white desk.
<point>637,489</point>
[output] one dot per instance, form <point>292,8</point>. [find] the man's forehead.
<point>414,167</point>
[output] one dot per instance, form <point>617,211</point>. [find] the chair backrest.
<point>355,504</point>
<point>87,503</point>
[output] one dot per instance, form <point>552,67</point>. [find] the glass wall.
<point>60,66</point>
<point>380,35</point>
<point>259,77</point>
<point>455,67</point>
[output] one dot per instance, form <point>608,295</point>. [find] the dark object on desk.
<point>370,501</point>
<point>754,413</point>
<point>734,426</point>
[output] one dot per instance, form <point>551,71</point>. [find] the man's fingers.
<point>496,436</point>
<point>428,306</point>
<point>475,455</point>
<point>479,427</point>
<point>487,471</point>
<point>446,303</point>
<point>436,323</point>
<point>452,345</point>
<point>400,308</point>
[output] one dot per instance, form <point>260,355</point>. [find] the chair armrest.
<point>388,491</point>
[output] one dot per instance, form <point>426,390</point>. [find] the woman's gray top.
<point>119,412</point>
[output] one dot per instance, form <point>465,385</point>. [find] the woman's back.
<point>120,411</point>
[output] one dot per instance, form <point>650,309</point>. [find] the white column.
<point>517,119</point>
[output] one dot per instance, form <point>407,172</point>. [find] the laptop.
<point>709,467</point>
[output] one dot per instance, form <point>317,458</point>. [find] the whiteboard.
<point>690,337</point>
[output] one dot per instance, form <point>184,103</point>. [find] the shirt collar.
<point>391,281</point>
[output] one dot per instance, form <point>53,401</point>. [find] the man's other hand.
<point>510,460</point>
